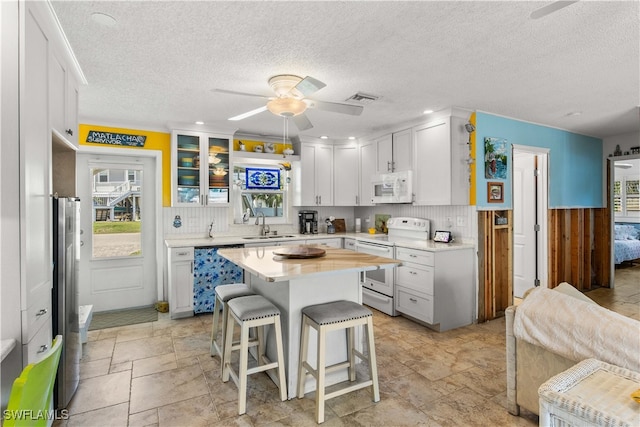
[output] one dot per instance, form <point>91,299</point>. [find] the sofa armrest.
<point>512,405</point>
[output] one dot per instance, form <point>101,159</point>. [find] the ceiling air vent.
<point>362,98</point>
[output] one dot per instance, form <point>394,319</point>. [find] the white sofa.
<point>552,330</point>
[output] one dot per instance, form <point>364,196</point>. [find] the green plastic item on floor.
<point>30,399</point>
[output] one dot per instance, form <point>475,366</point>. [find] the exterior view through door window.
<point>117,212</point>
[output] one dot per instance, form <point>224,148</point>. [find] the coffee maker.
<point>308,222</point>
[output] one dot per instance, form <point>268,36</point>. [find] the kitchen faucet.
<point>211,230</point>
<point>265,228</point>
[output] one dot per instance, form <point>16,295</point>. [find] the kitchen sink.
<point>268,237</point>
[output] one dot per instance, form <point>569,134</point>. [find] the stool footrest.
<point>348,389</point>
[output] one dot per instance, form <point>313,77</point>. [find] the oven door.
<point>380,280</point>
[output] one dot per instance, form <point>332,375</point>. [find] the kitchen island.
<point>292,284</point>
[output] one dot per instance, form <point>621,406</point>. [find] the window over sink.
<point>261,188</point>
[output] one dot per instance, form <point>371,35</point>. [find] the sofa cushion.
<point>577,329</point>
<point>567,289</point>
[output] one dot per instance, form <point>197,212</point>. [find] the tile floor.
<point>161,374</point>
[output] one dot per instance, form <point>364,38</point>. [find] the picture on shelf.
<point>495,192</point>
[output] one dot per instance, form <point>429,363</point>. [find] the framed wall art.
<point>495,192</point>
<point>495,158</point>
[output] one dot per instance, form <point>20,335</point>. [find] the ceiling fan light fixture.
<point>286,107</point>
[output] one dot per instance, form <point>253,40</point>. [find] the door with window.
<point>118,231</point>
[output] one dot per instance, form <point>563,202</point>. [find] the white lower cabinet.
<point>436,287</point>
<point>181,282</point>
<point>349,243</point>
<point>335,242</point>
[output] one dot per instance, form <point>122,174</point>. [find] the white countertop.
<point>262,262</point>
<point>222,240</point>
<point>5,347</point>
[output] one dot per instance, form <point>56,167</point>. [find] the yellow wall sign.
<point>158,141</point>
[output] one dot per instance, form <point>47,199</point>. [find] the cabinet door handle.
<point>413,272</point>
<point>413,300</point>
<point>42,312</point>
<point>357,200</point>
<point>389,167</point>
<point>191,266</point>
<point>413,256</point>
<point>43,348</point>
<point>319,200</point>
<point>183,253</point>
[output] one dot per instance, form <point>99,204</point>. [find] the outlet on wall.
<point>460,221</point>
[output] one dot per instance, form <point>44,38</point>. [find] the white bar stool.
<point>224,294</point>
<point>252,311</point>
<point>330,317</point>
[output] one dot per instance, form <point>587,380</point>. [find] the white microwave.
<point>393,187</point>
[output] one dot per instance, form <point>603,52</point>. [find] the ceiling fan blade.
<point>550,8</point>
<point>248,113</point>
<point>302,122</point>
<point>307,86</point>
<point>354,110</point>
<point>233,92</point>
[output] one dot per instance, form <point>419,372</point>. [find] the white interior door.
<point>530,203</point>
<point>524,221</point>
<point>118,231</point>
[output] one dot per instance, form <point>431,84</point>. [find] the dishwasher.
<point>209,271</point>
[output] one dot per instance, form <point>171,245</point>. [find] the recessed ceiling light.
<point>104,19</point>
<point>199,122</point>
<point>324,137</point>
<point>427,112</point>
<point>352,138</point>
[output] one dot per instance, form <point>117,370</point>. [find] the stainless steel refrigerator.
<point>65,297</point>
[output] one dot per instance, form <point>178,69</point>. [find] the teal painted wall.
<point>575,162</point>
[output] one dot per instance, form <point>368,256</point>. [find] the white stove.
<point>378,287</point>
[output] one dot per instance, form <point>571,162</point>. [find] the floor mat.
<point>112,319</point>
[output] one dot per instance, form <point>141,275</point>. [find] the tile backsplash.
<point>461,220</point>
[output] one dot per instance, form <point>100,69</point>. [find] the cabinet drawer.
<point>419,278</point>
<point>418,306</point>
<point>40,343</point>
<point>181,254</point>
<point>38,313</point>
<point>350,244</point>
<point>416,256</point>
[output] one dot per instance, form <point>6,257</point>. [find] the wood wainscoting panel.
<point>495,262</point>
<point>579,253</point>
<point>579,247</point>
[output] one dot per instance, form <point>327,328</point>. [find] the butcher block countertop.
<point>262,262</point>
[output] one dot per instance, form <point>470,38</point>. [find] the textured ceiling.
<point>160,62</point>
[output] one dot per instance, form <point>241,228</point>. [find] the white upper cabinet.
<point>345,175</point>
<point>384,153</point>
<point>402,144</point>
<point>200,168</point>
<point>63,90</point>
<point>368,168</point>
<point>394,152</point>
<point>316,175</point>
<point>441,173</point>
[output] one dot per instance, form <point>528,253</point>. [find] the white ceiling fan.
<point>550,8</point>
<point>291,100</point>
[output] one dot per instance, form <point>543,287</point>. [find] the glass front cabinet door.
<point>200,165</point>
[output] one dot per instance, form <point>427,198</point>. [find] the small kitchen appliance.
<point>394,187</point>
<point>308,221</point>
